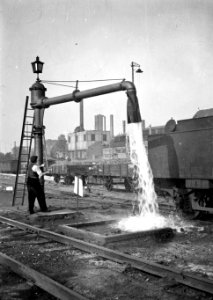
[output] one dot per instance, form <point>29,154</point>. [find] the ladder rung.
<point>26,139</point>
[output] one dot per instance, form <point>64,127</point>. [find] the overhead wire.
<point>59,82</point>
<point>94,80</point>
<point>54,83</point>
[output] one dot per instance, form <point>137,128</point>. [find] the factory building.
<point>88,144</point>
<point>119,145</point>
<point>100,143</point>
<point>79,143</point>
<point>117,148</point>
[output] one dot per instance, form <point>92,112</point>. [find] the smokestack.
<point>111,126</point>
<point>96,125</point>
<point>100,122</point>
<point>104,123</point>
<point>82,115</point>
<point>124,127</point>
<point>143,124</point>
<point>150,129</point>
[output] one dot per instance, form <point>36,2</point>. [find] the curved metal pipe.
<point>133,112</point>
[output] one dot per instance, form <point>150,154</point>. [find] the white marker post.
<point>78,188</point>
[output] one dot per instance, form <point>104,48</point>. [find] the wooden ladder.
<point>24,155</point>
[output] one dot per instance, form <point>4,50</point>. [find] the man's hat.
<point>33,158</point>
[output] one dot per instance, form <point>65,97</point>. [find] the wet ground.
<point>189,250</point>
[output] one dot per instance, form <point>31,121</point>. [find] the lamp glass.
<point>37,66</point>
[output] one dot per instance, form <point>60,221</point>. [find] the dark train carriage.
<point>182,162</point>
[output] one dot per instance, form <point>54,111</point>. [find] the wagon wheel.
<point>187,210</point>
<point>109,183</point>
<point>69,180</point>
<point>57,178</point>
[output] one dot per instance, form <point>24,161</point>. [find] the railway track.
<point>63,287</point>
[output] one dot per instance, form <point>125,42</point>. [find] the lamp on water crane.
<point>133,65</point>
<point>37,66</point>
<point>37,95</point>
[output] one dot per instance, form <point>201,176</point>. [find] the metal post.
<point>132,66</point>
<point>38,93</point>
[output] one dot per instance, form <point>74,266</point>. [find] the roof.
<point>204,113</point>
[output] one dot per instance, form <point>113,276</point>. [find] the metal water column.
<point>37,95</point>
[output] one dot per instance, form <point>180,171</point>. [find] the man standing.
<point>35,189</point>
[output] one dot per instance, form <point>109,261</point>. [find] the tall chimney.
<point>100,122</point>
<point>104,123</point>
<point>96,123</point>
<point>124,127</point>
<point>143,124</point>
<point>111,126</point>
<point>82,115</point>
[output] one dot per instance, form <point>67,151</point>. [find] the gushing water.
<point>145,197</point>
<point>142,173</point>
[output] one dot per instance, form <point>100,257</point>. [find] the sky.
<point>87,40</point>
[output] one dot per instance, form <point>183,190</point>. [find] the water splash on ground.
<point>148,216</point>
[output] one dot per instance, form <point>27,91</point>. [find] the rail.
<point>184,278</point>
<point>47,284</point>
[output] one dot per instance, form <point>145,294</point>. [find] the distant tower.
<point>81,115</point>
<point>111,126</point>
<point>124,127</point>
<point>100,122</point>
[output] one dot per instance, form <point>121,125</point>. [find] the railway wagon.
<point>182,163</point>
<point>8,166</point>
<point>106,173</point>
<point>67,171</point>
<point>111,174</point>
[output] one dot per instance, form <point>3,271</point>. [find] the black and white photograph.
<point>106,149</point>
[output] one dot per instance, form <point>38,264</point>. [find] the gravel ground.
<point>190,250</point>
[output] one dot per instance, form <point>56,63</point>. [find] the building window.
<point>83,154</point>
<point>69,139</point>
<point>76,138</point>
<point>93,137</point>
<point>85,137</point>
<point>104,137</point>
